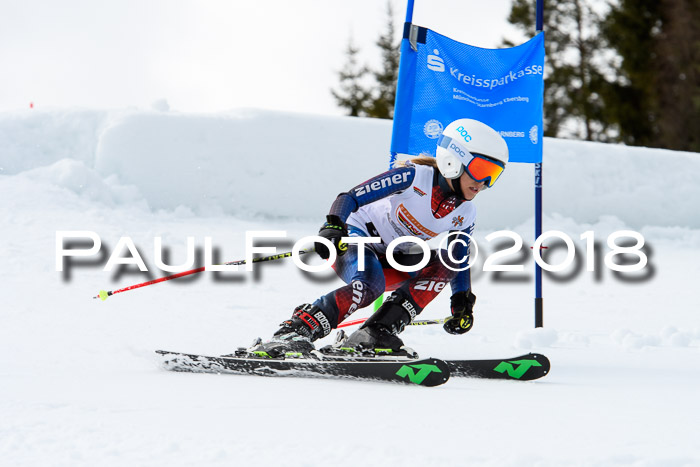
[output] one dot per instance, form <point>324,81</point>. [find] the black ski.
<point>425,372</point>
<point>523,368</point>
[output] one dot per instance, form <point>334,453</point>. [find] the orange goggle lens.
<point>484,170</point>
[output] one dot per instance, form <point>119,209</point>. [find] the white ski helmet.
<point>474,146</point>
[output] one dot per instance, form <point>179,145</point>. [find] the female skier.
<point>425,197</point>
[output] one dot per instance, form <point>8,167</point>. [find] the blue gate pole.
<point>409,19</point>
<point>539,306</point>
<point>409,11</point>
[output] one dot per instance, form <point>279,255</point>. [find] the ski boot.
<point>294,338</point>
<point>378,335</point>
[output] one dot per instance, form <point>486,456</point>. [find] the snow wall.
<point>252,163</point>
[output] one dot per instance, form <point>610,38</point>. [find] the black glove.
<point>462,318</point>
<point>333,229</point>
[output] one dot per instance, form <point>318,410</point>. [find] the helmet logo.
<point>465,134</point>
<point>458,150</point>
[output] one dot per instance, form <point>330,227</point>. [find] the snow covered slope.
<point>228,164</point>
<point>80,385</point>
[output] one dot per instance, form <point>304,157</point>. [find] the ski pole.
<point>104,294</point>
<point>419,322</point>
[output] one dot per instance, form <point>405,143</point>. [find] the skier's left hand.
<point>462,320</point>
<point>334,230</point>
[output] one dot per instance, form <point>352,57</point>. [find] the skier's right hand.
<point>333,229</point>
<point>462,320</point>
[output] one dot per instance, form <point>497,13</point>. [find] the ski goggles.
<point>479,167</point>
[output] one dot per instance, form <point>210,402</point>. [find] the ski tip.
<point>526,367</point>
<point>543,360</point>
<point>534,366</point>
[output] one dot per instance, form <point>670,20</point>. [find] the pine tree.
<point>632,28</point>
<point>678,80</point>
<point>382,105</point>
<point>575,80</point>
<point>657,97</point>
<point>351,94</point>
